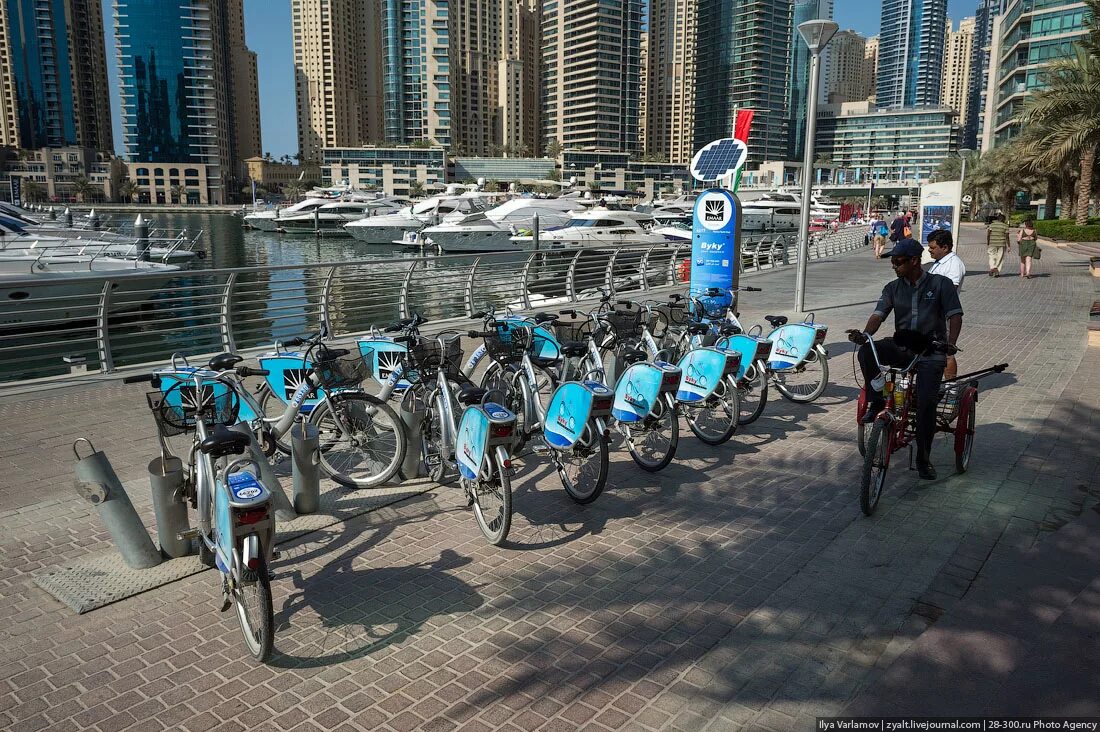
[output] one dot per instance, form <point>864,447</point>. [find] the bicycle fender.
<point>701,370</point>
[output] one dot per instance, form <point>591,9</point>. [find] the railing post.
<point>103,338</point>
<point>608,278</point>
<point>570,281</point>
<point>526,294</point>
<point>326,298</point>
<point>225,321</point>
<point>672,264</point>
<point>403,298</point>
<point>469,294</point>
<point>644,267</point>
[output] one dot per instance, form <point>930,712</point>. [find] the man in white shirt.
<point>948,264</point>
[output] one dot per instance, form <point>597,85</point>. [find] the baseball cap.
<point>905,248</point>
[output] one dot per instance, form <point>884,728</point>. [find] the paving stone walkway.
<point>739,588</point>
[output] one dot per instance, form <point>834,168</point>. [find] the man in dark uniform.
<point>925,303</point>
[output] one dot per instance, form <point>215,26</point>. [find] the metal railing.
<point>140,318</point>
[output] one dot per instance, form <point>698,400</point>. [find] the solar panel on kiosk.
<point>718,159</point>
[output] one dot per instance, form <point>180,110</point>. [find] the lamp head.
<point>817,34</point>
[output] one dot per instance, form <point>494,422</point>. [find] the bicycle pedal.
<point>188,535</point>
<point>540,450</point>
<point>276,554</point>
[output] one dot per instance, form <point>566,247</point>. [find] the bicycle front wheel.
<point>875,464</point>
<point>652,441</point>
<point>252,601</point>
<point>714,420</point>
<point>753,395</point>
<point>361,438</point>
<point>492,502</point>
<point>805,382</point>
<point>583,468</point>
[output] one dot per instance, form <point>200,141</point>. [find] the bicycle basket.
<point>343,372</point>
<point>176,410</point>
<point>508,342</point>
<point>572,330</point>
<point>427,355</point>
<point>948,406</point>
<point>625,323</point>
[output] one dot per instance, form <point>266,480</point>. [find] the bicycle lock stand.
<point>166,482</point>
<point>98,484</point>
<point>305,455</point>
<point>411,422</point>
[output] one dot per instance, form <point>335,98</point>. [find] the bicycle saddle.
<point>698,328</point>
<point>729,329</point>
<point>223,442</point>
<point>545,317</point>
<point>634,356</point>
<point>225,361</point>
<point>776,320</point>
<point>469,394</point>
<point>574,349</point>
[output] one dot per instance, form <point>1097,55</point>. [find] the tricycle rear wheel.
<point>876,461</point>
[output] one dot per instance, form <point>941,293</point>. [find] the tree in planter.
<point>1068,110</point>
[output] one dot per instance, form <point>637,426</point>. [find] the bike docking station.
<point>305,453</point>
<point>716,223</point>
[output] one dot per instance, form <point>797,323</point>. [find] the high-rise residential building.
<point>802,11</point>
<point>870,60</point>
<point>519,52</point>
<point>179,67</point>
<point>974,123</point>
<point>245,83</point>
<point>910,55</point>
<point>338,73</point>
<point>847,80</point>
<point>591,73</point>
<point>670,80</point>
<point>957,55</point>
<point>742,61</point>
<point>1028,36</point>
<point>53,75</point>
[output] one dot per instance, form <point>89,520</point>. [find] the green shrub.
<point>1068,230</point>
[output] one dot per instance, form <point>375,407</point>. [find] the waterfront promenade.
<point>740,588</point>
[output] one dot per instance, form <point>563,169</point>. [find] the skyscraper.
<point>847,80</point>
<point>742,61</point>
<point>178,71</point>
<point>338,73</point>
<point>591,73</point>
<point>801,11</point>
<point>53,74</point>
<point>957,55</point>
<point>870,60</point>
<point>910,56</point>
<point>974,122</point>
<point>670,80</point>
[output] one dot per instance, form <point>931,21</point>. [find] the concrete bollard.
<point>284,511</point>
<point>305,454</point>
<point>93,219</point>
<point>98,484</point>
<point>67,218</point>
<point>166,482</point>
<point>141,233</point>
<point>53,214</point>
<point>412,423</point>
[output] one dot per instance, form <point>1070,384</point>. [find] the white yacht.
<point>18,240</point>
<point>269,219</point>
<point>492,230</point>
<point>52,288</point>
<point>775,211</point>
<point>599,227</point>
<point>388,227</point>
<point>330,218</point>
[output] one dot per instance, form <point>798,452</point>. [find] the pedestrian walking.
<point>996,242</point>
<point>1027,239</point>
<point>898,228</point>
<point>880,234</point>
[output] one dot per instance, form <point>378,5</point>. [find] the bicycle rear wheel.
<point>652,441</point>
<point>362,441</point>
<point>962,452</point>
<point>252,602</point>
<point>270,404</point>
<point>583,468</point>
<point>753,395</point>
<point>492,502</point>
<point>714,420</point>
<point>875,464</point>
<point>807,381</point>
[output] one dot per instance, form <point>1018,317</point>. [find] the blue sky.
<point>267,25</point>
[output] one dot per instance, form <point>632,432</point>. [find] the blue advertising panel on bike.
<point>715,240</point>
<point>473,434</point>
<point>384,356</point>
<point>567,414</point>
<point>701,370</point>
<point>637,392</point>
<point>749,347</point>
<point>790,344</point>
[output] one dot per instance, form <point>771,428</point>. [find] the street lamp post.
<point>964,153</point>
<point>816,34</point>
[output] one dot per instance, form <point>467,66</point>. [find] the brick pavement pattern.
<point>739,588</point>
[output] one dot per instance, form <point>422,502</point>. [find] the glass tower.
<point>910,53</point>
<point>54,89</point>
<point>984,16</point>
<point>416,82</point>
<point>801,11</point>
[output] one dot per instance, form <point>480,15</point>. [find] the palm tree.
<point>416,189</point>
<point>1067,112</point>
<point>81,186</point>
<point>178,193</point>
<point>998,175</point>
<point>293,190</point>
<point>32,191</point>
<point>127,190</point>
